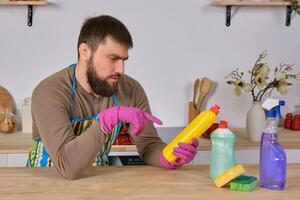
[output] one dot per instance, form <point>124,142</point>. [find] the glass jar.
<point>7,121</point>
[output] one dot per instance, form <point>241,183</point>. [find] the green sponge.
<point>243,183</point>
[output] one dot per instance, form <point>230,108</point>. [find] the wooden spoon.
<point>205,87</point>
<point>196,91</point>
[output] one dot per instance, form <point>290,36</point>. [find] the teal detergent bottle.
<point>222,155</point>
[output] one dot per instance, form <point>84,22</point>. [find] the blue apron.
<point>38,156</point>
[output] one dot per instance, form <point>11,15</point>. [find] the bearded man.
<point>79,111</point>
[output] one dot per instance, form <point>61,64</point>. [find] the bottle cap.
<point>27,101</point>
<point>223,124</point>
<point>215,109</point>
<point>275,111</point>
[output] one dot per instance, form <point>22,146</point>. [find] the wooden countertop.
<point>20,142</point>
<point>134,182</point>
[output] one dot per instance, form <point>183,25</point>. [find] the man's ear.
<point>84,52</point>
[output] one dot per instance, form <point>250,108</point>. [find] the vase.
<point>256,122</point>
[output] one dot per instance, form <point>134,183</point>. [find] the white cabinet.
<point>13,160</point>
<point>202,157</point>
<point>16,160</point>
<point>3,160</point>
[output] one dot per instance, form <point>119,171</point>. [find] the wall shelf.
<point>29,5</point>
<point>229,3</point>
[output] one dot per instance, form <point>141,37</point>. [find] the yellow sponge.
<point>229,175</point>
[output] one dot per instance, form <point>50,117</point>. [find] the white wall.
<point>175,41</point>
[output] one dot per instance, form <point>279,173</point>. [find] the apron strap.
<point>74,88</point>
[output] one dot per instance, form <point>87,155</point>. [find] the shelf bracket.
<point>30,14</point>
<point>228,15</point>
<point>289,11</point>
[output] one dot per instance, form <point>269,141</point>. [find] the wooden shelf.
<point>23,3</point>
<point>249,3</point>
<point>229,3</point>
<point>19,143</point>
<point>288,139</point>
<point>29,5</point>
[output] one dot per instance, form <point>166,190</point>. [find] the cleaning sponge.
<point>229,175</point>
<point>243,183</point>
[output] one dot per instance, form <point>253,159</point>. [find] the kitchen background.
<point>175,42</point>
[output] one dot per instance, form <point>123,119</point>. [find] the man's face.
<point>106,66</point>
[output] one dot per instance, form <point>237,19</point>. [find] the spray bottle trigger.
<point>277,109</point>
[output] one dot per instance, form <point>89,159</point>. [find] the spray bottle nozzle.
<point>273,108</point>
<point>281,102</point>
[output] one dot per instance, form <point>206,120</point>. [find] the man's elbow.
<point>69,175</point>
<point>68,172</point>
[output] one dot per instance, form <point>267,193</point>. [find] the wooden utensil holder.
<point>192,112</point>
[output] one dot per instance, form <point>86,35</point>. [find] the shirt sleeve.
<point>70,154</point>
<point>149,145</point>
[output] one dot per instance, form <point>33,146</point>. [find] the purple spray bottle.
<point>272,164</point>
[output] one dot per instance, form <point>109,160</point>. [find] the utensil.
<point>196,90</point>
<point>192,111</point>
<point>204,89</point>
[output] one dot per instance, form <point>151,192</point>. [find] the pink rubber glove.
<point>185,153</point>
<point>111,116</point>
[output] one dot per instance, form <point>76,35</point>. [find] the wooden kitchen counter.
<point>20,142</point>
<point>134,182</point>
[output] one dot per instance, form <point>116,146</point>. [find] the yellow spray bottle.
<point>193,130</point>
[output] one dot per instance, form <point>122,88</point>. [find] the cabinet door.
<point>16,160</point>
<point>3,160</point>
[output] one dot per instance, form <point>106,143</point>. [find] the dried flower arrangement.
<point>295,6</point>
<point>259,75</point>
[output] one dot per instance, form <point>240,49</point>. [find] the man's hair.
<point>95,29</point>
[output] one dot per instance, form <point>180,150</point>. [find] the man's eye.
<point>114,58</point>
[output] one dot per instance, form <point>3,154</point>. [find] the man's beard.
<point>98,85</point>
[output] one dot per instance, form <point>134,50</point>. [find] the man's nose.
<point>120,67</point>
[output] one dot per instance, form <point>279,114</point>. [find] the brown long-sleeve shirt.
<point>51,112</point>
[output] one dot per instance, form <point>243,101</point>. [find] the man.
<point>79,111</point>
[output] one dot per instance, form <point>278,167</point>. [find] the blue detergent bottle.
<point>222,153</point>
<point>272,164</point>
